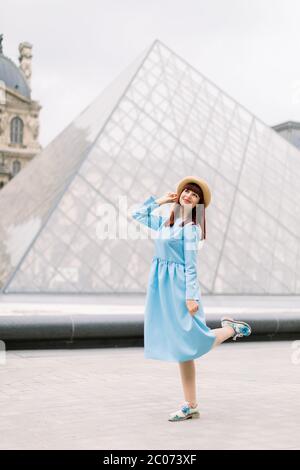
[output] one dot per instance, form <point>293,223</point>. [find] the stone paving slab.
<point>116,399</point>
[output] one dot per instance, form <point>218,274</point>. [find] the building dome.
<point>13,77</point>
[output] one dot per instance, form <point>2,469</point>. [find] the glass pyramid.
<point>159,121</point>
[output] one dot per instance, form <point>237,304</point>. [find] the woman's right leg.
<point>222,334</point>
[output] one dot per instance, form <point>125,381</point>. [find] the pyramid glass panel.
<point>160,120</point>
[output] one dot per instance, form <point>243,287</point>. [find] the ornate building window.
<point>16,130</point>
<point>16,167</point>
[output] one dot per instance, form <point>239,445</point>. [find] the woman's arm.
<point>143,214</point>
<point>192,235</point>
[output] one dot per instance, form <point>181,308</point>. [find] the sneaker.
<point>241,328</point>
<point>185,412</point>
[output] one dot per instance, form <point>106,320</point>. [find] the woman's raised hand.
<point>168,197</point>
<point>192,306</point>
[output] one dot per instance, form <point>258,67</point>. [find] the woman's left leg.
<point>188,378</point>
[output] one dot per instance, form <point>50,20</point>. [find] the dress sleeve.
<point>192,235</point>
<point>143,214</point>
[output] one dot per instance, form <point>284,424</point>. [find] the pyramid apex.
<point>154,43</point>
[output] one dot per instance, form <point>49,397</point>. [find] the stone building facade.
<point>19,114</point>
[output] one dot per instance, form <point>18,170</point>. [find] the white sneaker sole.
<point>190,416</point>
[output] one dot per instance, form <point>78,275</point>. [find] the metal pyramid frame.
<point>158,121</point>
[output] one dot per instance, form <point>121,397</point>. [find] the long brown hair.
<point>198,212</point>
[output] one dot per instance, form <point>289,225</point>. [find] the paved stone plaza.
<point>116,399</point>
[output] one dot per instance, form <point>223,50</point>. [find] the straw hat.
<point>201,182</point>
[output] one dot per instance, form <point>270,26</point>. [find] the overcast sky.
<point>249,48</point>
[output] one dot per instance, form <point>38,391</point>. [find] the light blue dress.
<point>171,332</point>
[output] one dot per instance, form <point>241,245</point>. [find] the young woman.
<point>174,326</point>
